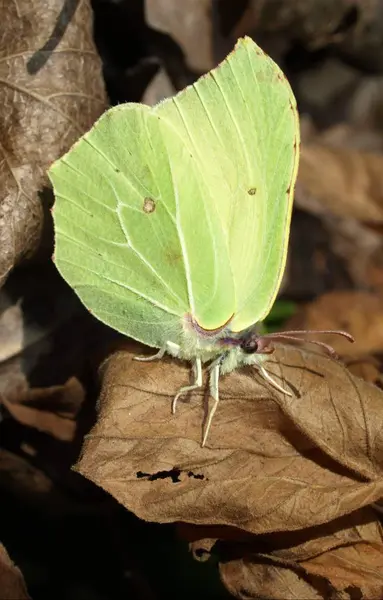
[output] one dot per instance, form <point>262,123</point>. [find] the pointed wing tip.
<point>247,42</point>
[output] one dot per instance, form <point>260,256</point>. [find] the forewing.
<point>132,235</point>
<point>241,122</point>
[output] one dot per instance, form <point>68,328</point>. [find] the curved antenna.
<point>292,336</point>
<point>295,332</point>
<point>327,347</point>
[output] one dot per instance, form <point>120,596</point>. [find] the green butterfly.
<point>172,222</point>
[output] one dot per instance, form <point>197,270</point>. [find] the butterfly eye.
<point>250,345</point>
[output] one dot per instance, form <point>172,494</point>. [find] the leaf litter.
<point>286,495</point>
<point>12,581</point>
<point>49,75</point>
<point>271,464</point>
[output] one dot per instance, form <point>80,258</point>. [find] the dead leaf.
<point>246,579</point>
<point>358,566</point>
<point>352,186</point>
<point>344,135</point>
<point>35,305</point>
<point>365,367</point>
<point>26,484</point>
<point>62,403</point>
<point>257,566</point>
<point>358,313</point>
<point>360,526</point>
<point>271,463</point>
<point>15,334</point>
<point>366,107</point>
<point>51,91</point>
<point>343,573</point>
<point>299,545</point>
<point>12,584</point>
<point>339,177</point>
<point>189,23</point>
<point>159,88</point>
<point>315,24</point>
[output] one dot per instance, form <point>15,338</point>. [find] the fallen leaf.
<point>315,24</point>
<point>35,304</point>
<point>189,23</point>
<point>62,403</point>
<point>366,367</point>
<point>300,561</point>
<point>343,573</point>
<point>352,186</point>
<point>15,334</point>
<point>359,138</point>
<point>299,545</point>
<point>18,477</point>
<point>360,526</point>
<point>366,108</point>
<point>12,584</point>
<point>51,92</point>
<point>246,579</point>
<point>358,566</point>
<point>318,269</point>
<point>271,463</point>
<point>358,313</point>
<point>48,344</point>
<point>24,483</point>
<point>159,88</point>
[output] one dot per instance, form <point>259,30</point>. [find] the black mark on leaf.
<point>42,55</point>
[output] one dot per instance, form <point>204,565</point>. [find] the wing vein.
<point>131,174</point>
<point>137,252</point>
<point>122,285</point>
<point>183,244</point>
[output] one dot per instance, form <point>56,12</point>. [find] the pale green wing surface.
<point>133,235</point>
<point>241,122</point>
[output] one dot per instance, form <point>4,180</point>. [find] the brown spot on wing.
<point>173,258</point>
<point>149,205</point>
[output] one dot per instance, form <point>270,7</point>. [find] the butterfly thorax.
<point>231,348</point>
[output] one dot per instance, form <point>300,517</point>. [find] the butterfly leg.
<point>197,383</point>
<point>169,347</point>
<point>272,382</point>
<point>214,392</point>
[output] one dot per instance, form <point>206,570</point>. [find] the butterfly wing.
<point>241,122</point>
<point>133,232</point>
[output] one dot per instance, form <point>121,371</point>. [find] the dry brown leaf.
<point>341,182</point>
<point>21,478</point>
<point>365,367</point>
<point>159,88</point>
<point>51,91</point>
<point>189,23</point>
<point>61,402</point>
<point>271,463</point>
<point>254,566</point>
<point>37,315</point>
<point>246,579</point>
<point>358,566</point>
<point>12,584</point>
<point>343,573</point>
<point>358,526</point>
<point>359,313</point>
<point>15,334</point>
<point>316,24</point>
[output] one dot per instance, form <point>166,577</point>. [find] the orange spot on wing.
<point>207,332</point>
